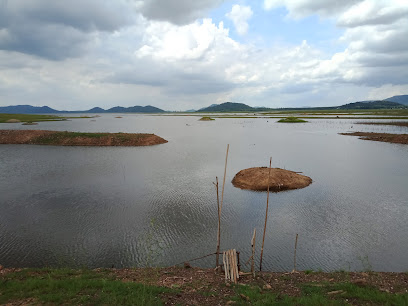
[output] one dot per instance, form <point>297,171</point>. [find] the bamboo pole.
<point>294,256</point>
<point>266,214</point>
<point>253,252</point>
<point>231,264</point>
<point>220,206</point>
<point>219,225</point>
<point>225,265</point>
<point>236,265</point>
<point>223,183</point>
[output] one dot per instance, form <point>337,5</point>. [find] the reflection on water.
<point>98,207</point>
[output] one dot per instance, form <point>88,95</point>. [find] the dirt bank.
<point>257,179</point>
<point>77,139</point>
<point>384,137</point>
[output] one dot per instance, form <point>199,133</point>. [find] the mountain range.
<point>28,109</point>
<point>240,107</point>
<point>389,103</point>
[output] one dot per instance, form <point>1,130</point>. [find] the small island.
<point>65,138</point>
<point>257,179</point>
<point>206,119</point>
<point>292,120</point>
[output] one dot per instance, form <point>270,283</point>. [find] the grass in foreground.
<point>65,286</point>
<point>319,294</point>
<point>29,118</point>
<point>292,120</point>
<point>195,286</point>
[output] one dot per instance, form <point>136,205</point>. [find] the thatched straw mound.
<point>13,121</point>
<point>257,179</point>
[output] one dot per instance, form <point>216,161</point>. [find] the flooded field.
<point>138,206</point>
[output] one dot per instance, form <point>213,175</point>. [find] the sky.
<point>182,54</point>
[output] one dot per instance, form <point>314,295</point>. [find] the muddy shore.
<point>383,137</point>
<point>78,139</point>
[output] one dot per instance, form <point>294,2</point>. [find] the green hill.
<point>373,105</point>
<point>228,107</point>
<point>403,99</point>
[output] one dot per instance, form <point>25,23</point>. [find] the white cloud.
<point>371,12</point>
<point>148,52</point>
<point>240,15</point>
<point>164,41</point>
<point>302,8</point>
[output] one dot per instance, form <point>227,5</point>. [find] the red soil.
<point>78,139</point>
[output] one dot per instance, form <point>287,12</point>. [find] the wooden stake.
<point>253,253</point>
<point>219,224</point>
<point>266,214</point>
<point>231,265</point>
<point>225,265</point>
<point>294,256</point>
<point>236,265</point>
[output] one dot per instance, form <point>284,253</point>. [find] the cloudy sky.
<point>184,54</point>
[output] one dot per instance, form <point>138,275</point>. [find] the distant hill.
<point>372,105</point>
<point>28,109</point>
<point>228,107</point>
<point>207,107</point>
<point>403,99</point>
<point>95,110</point>
<point>131,109</point>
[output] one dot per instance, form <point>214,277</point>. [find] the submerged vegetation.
<point>292,120</point>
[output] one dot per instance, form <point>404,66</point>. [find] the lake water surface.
<point>138,206</point>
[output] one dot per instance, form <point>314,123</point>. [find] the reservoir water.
<point>156,206</point>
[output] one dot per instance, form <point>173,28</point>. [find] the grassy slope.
<point>320,294</point>
<point>64,286</point>
<point>91,287</point>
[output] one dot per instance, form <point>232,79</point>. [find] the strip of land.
<point>195,286</point>
<point>403,123</point>
<point>78,139</point>
<point>16,118</point>
<point>383,137</point>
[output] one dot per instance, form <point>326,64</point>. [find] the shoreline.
<point>382,137</point>
<point>197,286</point>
